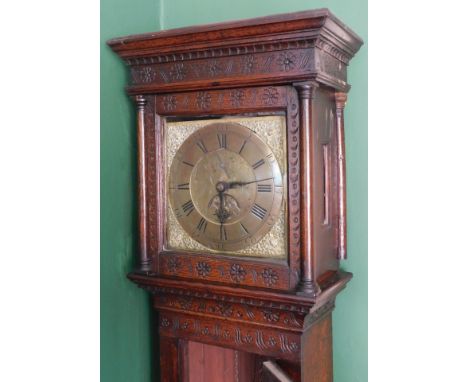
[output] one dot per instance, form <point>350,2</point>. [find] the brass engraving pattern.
<point>271,130</point>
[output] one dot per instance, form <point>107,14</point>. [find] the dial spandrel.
<point>225,188</point>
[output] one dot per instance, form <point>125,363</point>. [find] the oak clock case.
<point>242,193</point>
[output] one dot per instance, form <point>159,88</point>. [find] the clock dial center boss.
<point>225,187</point>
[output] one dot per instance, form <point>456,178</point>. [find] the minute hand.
<point>235,184</point>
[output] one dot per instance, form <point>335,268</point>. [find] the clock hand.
<point>235,184</point>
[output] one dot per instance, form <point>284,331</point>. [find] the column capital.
<point>340,100</point>
<point>306,89</point>
<point>140,101</point>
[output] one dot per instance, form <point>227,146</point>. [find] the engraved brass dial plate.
<point>225,187</point>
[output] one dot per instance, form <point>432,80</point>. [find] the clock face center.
<point>221,186</point>
<point>215,187</point>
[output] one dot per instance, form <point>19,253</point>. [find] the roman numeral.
<point>222,233</point>
<point>188,207</point>
<point>264,187</point>
<point>242,148</point>
<point>245,229</point>
<point>222,140</point>
<point>201,226</point>
<point>184,186</point>
<point>258,211</point>
<point>258,164</point>
<point>201,146</point>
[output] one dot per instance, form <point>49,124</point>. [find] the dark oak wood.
<point>255,319</point>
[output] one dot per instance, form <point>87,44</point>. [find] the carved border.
<point>320,43</point>
<point>268,64</point>
<point>259,341</point>
<point>262,97</point>
<point>262,316</point>
<point>151,174</point>
<point>222,269</point>
<point>159,290</point>
<point>294,188</point>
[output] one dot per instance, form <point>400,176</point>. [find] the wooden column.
<point>340,99</point>
<point>145,260</point>
<point>308,284</point>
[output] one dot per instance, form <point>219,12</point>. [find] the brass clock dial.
<point>225,187</point>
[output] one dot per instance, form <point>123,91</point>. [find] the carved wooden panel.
<point>218,101</point>
<point>151,175</point>
<point>269,64</point>
<point>233,311</point>
<point>252,339</point>
<point>294,205</point>
<point>222,269</point>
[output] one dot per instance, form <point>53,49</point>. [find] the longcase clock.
<point>242,193</point>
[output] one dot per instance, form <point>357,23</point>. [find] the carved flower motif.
<point>173,264</point>
<point>169,103</point>
<point>237,97</point>
<point>203,269</point>
<point>185,303</point>
<point>224,309</point>
<point>147,74</point>
<point>270,277</point>
<point>185,325</point>
<point>203,100</point>
<point>271,341</point>
<point>165,322</point>
<point>178,72</point>
<point>270,316</point>
<point>237,273</point>
<point>249,64</point>
<point>214,68</point>
<point>270,96</point>
<point>286,61</point>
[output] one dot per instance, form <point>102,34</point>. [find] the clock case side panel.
<point>325,185</point>
<point>253,272</point>
<point>155,194</point>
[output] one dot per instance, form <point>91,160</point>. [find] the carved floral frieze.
<point>297,61</point>
<point>230,271</point>
<point>266,97</point>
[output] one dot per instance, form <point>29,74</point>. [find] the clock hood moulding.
<point>331,45</point>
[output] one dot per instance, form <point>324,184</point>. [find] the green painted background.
<point>125,315</point>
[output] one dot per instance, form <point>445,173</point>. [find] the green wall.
<point>125,313</point>
<point>124,309</point>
